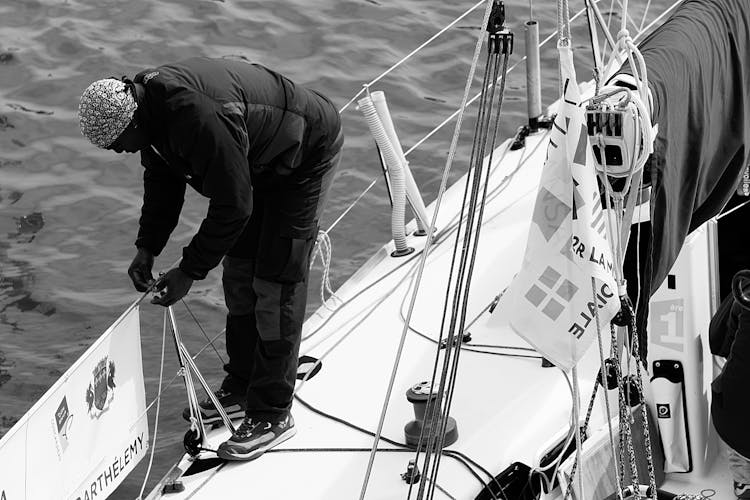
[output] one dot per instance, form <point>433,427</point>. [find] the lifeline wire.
<point>410,54</point>
<point>428,244</point>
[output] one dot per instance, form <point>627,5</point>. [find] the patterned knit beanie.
<point>105,111</point>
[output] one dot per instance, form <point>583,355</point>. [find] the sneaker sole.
<point>245,457</point>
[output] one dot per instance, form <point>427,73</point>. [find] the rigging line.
<point>666,12</point>
<point>171,381</point>
<point>638,246</point>
<point>472,257</point>
<point>473,99</point>
<point>448,372</point>
<point>372,183</point>
<point>722,215</point>
<point>605,389</point>
<point>563,23</point>
<point>472,176</point>
<point>428,241</point>
<point>645,14</point>
<point>158,408</point>
<point>447,120</point>
<point>410,54</point>
<point>456,455</point>
<point>472,347</point>
<point>210,342</point>
<point>579,441</point>
<point>432,405</point>
<point>571,429</point>
<point>607,29</point>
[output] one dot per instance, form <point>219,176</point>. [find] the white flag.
<point>88,431</point>
<point>551,303</point>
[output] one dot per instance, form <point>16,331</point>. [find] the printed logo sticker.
<point>101,390</point>
<point>667,324</point>
<point>663,411</point>
<point>541,293</point>
<point>63,421</point>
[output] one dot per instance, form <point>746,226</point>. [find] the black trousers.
<point>265,288</point>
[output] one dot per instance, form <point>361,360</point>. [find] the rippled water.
<point>68,212</point>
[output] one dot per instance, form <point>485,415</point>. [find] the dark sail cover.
<point>699,73</point>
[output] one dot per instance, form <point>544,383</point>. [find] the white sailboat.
<point>380,348</point>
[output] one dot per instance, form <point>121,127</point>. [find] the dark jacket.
<point>212,121</point>
<point>729,336</point>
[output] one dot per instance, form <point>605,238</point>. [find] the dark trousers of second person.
<point>265,287</point>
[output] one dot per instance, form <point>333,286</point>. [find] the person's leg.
<point>288,236</point>
<point>241,332</point>
<point>240,299</point>
<point>288,233</point>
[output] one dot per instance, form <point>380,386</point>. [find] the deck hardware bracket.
<point>412,474</point>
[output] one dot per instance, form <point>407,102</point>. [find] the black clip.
<point>501,43</point>
<point>501,39</point>
<point>625,315</point>
<point>412,474</point>
<point>465,338</point>
<point>496,22</point>
<point>610,372</point>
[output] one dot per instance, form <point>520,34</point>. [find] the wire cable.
<point>158,407</point>
<point>428,243</point>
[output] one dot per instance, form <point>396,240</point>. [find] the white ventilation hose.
<point>413,196</point>
<point>396,173</point>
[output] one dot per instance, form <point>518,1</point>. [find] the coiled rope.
<point>324,249</point>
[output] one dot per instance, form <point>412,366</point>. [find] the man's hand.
<point>173,286</point>
<point>140,270</point>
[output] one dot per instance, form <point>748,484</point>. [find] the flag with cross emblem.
<point>552,302</point>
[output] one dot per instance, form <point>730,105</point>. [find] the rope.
<point>605,389</point>
<point>665,13</point>
<point>205,335</point>
<point>324,248</point>
<point>428,244</point>
<point>563,24</point>
<point>158,408</point>
<point>463,285</point>
<point>361,195</point>
<point>721,216</point>
<point>645,14</point>
<point>431,407</point>
<point>579,441</point>
<point>466,461</point>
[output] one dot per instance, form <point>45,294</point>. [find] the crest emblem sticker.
<point>101,390</point>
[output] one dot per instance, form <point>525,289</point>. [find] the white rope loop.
<point>324,250</point>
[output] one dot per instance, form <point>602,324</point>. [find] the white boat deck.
<point>507,408</point>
